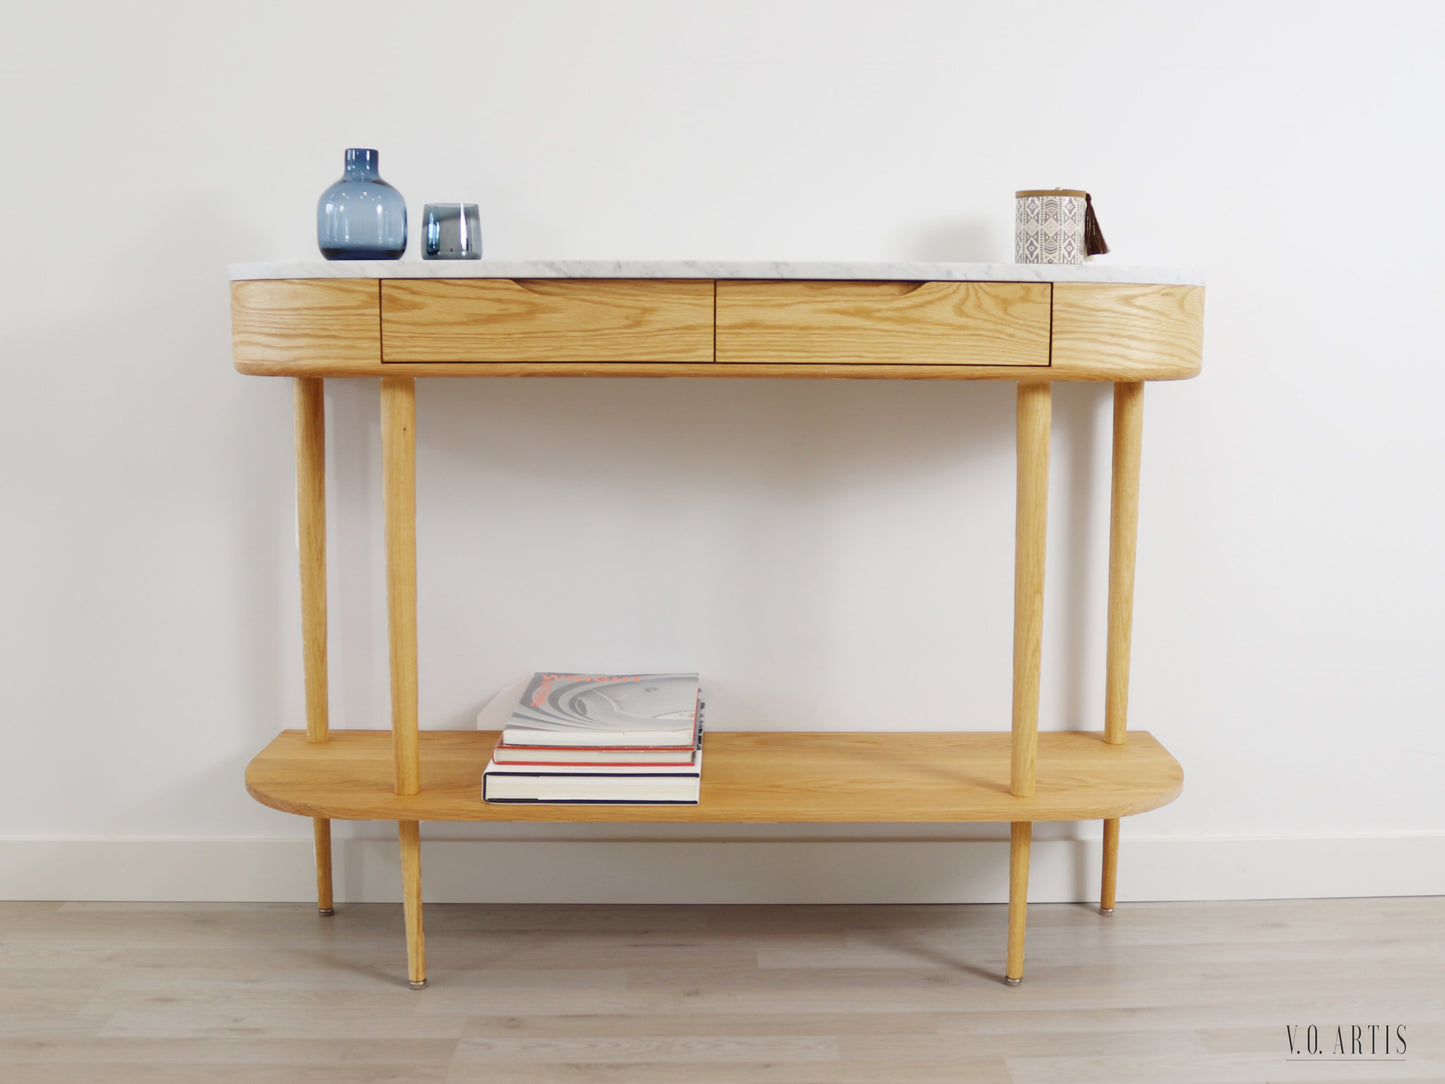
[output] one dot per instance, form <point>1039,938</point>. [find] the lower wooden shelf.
<point>758,777</point>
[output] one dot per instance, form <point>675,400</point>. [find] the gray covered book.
<point>654,711</point>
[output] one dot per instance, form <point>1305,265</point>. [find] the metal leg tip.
<point>1010,981</point>
<point>418,984</point>
<point>327,911</point>
<point>1106,910</point>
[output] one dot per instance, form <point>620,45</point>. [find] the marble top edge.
<point>718,269</point>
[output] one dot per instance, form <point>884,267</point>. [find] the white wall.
<point>826,554</point>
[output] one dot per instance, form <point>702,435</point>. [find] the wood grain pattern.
<point>1123,539</point>
<point>398,450</point>
<point>321,833</point>
<point>1020,838</point>
<point>585,327</point>
<point>310,410</point>
<point>532,369</point>
<point>409,837</point>
<point>546,320</point>
<point>1034,415</point>
<point>750,777</point>
<point>403,328</point>
<point>290,325</point>
<point>1127,333</point>
<point>1109,877</point>
<point>887,323</point>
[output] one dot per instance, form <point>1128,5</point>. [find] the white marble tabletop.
<point>900,271</point>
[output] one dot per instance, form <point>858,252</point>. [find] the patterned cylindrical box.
<point>1049,225</point>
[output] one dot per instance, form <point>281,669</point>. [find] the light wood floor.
<point>92,993</point>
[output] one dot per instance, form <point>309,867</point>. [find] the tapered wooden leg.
<point>1111,866</point>
<point>409,833</point>
<point>321,832</point>
<point>1020,836</point>
<point>310,410</point>
<point>322,829</point>
<point>398,451</point>
<point>1123,539</point>
<point>1035,413</point>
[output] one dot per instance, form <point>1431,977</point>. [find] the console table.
<point>1032,324</point>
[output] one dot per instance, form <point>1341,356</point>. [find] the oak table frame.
<point>398,322</point>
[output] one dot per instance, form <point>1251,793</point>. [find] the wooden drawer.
<point>1117,331</point>
<point>286,325</point>
<point>541,320</point>
<point>883,323</point>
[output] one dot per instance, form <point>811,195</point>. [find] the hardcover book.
<point>614,756</point>
<point>656,712</point>
<point>574,783</point>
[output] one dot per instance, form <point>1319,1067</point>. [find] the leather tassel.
<point>1094,243</point>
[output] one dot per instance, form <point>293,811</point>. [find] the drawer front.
<point>291,326</point>
<point>1128,332</point>
<point>883,323</point>
<point>541,320</point>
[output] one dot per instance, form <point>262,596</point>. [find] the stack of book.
<point>620,738</point>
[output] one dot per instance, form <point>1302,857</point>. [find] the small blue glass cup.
<point>451,231</point>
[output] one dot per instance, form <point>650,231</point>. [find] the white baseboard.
<point>783,871</point>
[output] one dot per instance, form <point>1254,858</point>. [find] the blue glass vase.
<point>361,217</point>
